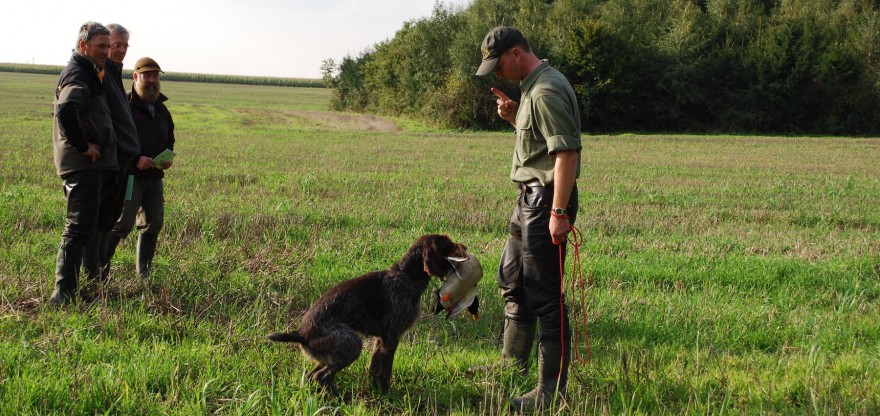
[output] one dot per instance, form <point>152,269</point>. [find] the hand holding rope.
<point>577,287</point>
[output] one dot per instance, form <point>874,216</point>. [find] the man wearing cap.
<point>95,259</point>
<point>546,163</point>
<point>84,152</point>
<point>155,129</point>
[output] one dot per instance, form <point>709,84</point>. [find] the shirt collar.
<point>530,79</point>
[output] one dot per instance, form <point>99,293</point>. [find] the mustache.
<point>153,86</point>
<point>148,92</point>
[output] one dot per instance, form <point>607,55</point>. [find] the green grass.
<point>730,274</point>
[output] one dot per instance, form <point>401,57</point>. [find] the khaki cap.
<point>146,64</point>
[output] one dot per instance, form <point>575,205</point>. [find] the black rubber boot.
<point>92,257</point>
<point>146,250</point>
<point>108,250</point>
<point>67,266</point>
<point>553,361</point>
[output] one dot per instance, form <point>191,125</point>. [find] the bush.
<point>800,66</point>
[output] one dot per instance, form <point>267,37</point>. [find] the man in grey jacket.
<point>84,152</point>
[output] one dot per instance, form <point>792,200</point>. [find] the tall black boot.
<point>108,250</point>
<point>91,260</point>
<point>553,360</point>
<point>67,266</point>
<point>146,250</point>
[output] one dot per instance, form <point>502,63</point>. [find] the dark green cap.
<point>497,41</point>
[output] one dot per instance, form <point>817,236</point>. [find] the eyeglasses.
<point>119,45</point>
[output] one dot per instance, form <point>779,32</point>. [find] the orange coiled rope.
<point>578,287</point>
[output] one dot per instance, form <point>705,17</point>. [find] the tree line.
<point>743,66</point>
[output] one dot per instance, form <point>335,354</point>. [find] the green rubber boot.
<point>553,361</point>
<point>517,348</point>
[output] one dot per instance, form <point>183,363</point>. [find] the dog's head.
<point>435,248</point>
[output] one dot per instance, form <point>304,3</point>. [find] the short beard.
<point>148,94</point>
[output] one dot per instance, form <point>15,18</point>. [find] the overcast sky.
<point>282,38</point>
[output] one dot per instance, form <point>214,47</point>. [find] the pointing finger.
<point>500,94</point>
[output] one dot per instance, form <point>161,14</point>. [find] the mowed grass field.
<point>730,274</point>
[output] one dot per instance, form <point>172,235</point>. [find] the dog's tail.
<point>287,337</point>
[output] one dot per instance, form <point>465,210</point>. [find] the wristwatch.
<point>558,211</point>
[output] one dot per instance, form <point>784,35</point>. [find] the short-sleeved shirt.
<point>547,121</point>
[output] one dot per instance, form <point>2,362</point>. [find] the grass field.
<point>731,275</point>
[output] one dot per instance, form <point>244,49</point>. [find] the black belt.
<point>534,183</point>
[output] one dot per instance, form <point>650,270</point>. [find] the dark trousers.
<point>146,209</point>
<point>113,196</point>
<point>529,274</point>
<point>83,191</point>
<point>110,205</point>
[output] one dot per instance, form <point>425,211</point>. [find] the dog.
<point>381,304</point>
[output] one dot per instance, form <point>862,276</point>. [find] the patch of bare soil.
<point>347,121</point>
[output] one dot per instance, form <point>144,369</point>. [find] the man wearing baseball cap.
<point>546,163</point>
<point>155,129</point>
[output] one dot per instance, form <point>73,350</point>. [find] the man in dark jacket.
<point>155,129</point>
<point>84,152</point>
<point>95,259</point>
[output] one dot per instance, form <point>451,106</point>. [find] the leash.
<point>577,287</point>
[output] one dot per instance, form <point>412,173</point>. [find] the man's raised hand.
<point>506,107</point>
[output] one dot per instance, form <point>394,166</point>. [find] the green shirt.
<point>547,121</point>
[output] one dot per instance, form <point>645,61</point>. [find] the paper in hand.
<point>166,156</point>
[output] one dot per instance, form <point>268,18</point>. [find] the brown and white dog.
<point>381,304</point>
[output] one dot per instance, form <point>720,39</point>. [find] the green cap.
<point>497,41</point>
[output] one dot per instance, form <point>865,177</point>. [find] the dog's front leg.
<point>382,361</point>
